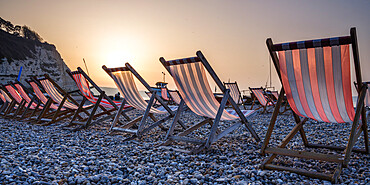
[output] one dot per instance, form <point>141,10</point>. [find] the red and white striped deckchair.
<point>4,105</point>
<point>235,92</point>
<point>189,75</point>
<point>64,100</point>
<point>124,80</point>
<point>103,102</point>
<point>265,101</point>
<point>164,94</point>
<point>23,104</point>
<point>316,78</point>
<point>39,106</point>
<point>8,103</point>
<point>51,112</point>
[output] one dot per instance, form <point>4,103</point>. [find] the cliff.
<point>35,57</point>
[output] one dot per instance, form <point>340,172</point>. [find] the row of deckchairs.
<point>315,76</point>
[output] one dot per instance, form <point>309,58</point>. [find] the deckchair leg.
<point>57,111</point>
<point>20,107</point>
<point>175,119</point>
<point>116,118</point>
<point>364,128</point>
<point>94,110</point>
<point>80,107</point>
<point>352,139</point>
<point>285,141</point>
<point>272,122</point>
<point>145,116</point>
<point>43,112</point>
<point>3,107</point>
<point>217,119</point>
<point>10,108</point>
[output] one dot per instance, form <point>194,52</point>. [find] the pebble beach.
<point>33,154</point>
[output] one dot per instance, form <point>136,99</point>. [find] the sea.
<point>111,91</point>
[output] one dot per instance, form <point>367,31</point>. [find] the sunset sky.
<point>230,33</point>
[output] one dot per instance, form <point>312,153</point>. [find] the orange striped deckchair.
<point>235,93</point>
<point>64,100</point>
<point>103,102</point>
<point>265,101</point>
<point>190,78</point>
<point>124,80</point>
<point>316,78</point>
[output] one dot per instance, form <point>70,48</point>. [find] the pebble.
<point>31,154</point>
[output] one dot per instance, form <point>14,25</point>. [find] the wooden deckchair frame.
<point>268,100</point>
<point>48,114</point>
<point>28,113</point>
<point>142,128</point>
<point>102,95</point>
<point>21,105</point>
<point>356,129</point>
<point>214,134</point>
<point>285,101</point>
<point>59,114</point>
<point>12,104</point>
<point>240,99</point>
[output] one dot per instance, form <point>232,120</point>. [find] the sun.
<point>117,58</point>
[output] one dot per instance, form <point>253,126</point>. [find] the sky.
<point>230,33</point>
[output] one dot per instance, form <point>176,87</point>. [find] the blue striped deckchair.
<point>316,78</point>
<point>235,93</point>
<point>124,80</point>
<point>190,78</point>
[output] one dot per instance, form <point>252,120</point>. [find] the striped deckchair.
<point>175,96</point>
<point>24,104</point>
<point>34,104</point>
<point>64,100</point>
<point>316,78</point>
<point>164,94</point>
<point>50,112</point>
<point>235,93</point>
<point>150,95</point>
<point>106,105</point>
<point>124,80</point>
<point>265,101</point>
<point>4,104</point>
<point>9,103</point>
<point>190,78</point>
<point>274,96</point>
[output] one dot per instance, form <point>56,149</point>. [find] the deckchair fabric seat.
<point>83,85</point>
<point>126,85</point>
<point>191,80</point>
<point>41,96</point>
<point>317,82</point>
<point>55,95</point>
<point>175,96</point>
